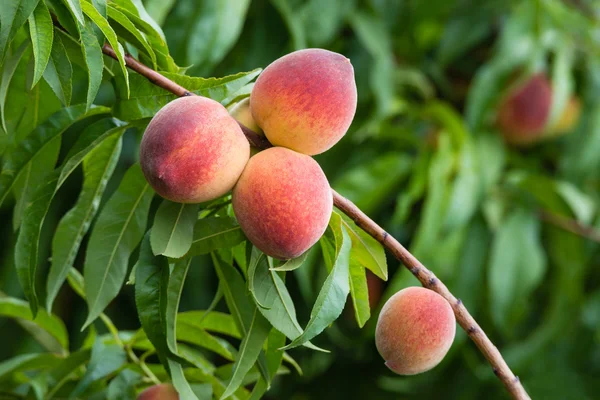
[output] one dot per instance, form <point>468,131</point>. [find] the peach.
<point>164,391</point>
<point>241,112</point>
<point>415,330</point>
<point>193,150</point>
<point>568,118</point>
<point>283,202</point>
<point>305,100</point>
<point>524,112</point>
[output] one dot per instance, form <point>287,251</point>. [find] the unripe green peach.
<point>524,112</point>
<point>193,150</point>
<point>241,112</point>
<point>283,202</point>
<point>164,391</point>
<point>305,100</point>
<point>415,330</point>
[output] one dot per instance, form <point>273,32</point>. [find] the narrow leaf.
<point>98,167</point>
<point>179,382</point>
<point>152,277</point>
<point>8,70</point>
<point>215,233</point>
<point>74,7</point>
<point>130,33</point>
<point>173,228</point>
<point>250,349</point>
<point>13,16</point>
<point>332,297</point>
<point>292,264</point>
<point>92,55</point>
<point>41,30</point>
<point>359,291</point>
<point>38,139</point>
<point>110,35</point>
<point>105,360</point>
<point>59,72</point>
<point>270,291</point>
<point>118,231</point>
<point>15,308</point>
<point>174,290</point>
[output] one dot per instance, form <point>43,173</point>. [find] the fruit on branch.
<point>415,330</point>
<point>524,113</point>
<point>283,202</point>
<point>193,150</point>
<point>305,100</point>
<point>164,391</point>
<point>241,112</point>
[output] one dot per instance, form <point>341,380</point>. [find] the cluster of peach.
<point>195,151</point>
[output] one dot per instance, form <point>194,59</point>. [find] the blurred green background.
<point>512,231</point>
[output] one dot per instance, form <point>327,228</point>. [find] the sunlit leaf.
<point>173,228</point>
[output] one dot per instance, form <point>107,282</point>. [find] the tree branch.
<point>426,277</point>
<point>571,225</point>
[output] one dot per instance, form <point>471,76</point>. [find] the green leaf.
<point>37,140</point>
<point>291,264</point>
<point>15,308</point>
<point>60,374</point>
<point>130,33</point>
<point>215,233</point>
<point>146,98</point>
<point>239,303</point>
<point>98,167</point>
<point>332,297</point>
<point>118,231</point>
<point>13,16</point>
<point>104,361</point>
<point>180,382</point>
<point>151,282</point>
<point>517,265</point>
<point>41,30</point>
<point>173,228</point>
<point>8,70</point>
<point>274,356</point>
<point>250,349</point>
<point>59,72</point>
<point>215,26</point>
<point>26,249</point>
<point>122,387</point>
<point>174,290</point>
<point>213,321</point>
<point>27,362</point>
<point>365,249</point>
<point>74,7</point>
<point>110,35</point>
<point>359,292</point>
<point>273,298</point>
<point>92,55</point>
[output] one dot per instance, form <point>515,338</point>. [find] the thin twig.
<point>426,277</point>
<point>571,225</point>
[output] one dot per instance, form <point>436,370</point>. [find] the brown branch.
<point>571,225</point>
<point>426,277</point>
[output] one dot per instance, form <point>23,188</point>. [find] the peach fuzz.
<point>524,112</point>
<point>305,100</point>
<point>283,202</point>
<point>164,391</point>
<point>415,330</point>
<point>193,150</point>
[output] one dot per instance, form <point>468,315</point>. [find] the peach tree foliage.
<point>76,210</point>
<point>130,225</point>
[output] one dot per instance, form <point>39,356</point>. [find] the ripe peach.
<point>283,202</point>
<point>415,330</point>
<point>305,100</point>
<point>241,112</point>
<point>164,391</point>
<point>193,150</point>
<point>524,112</point>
